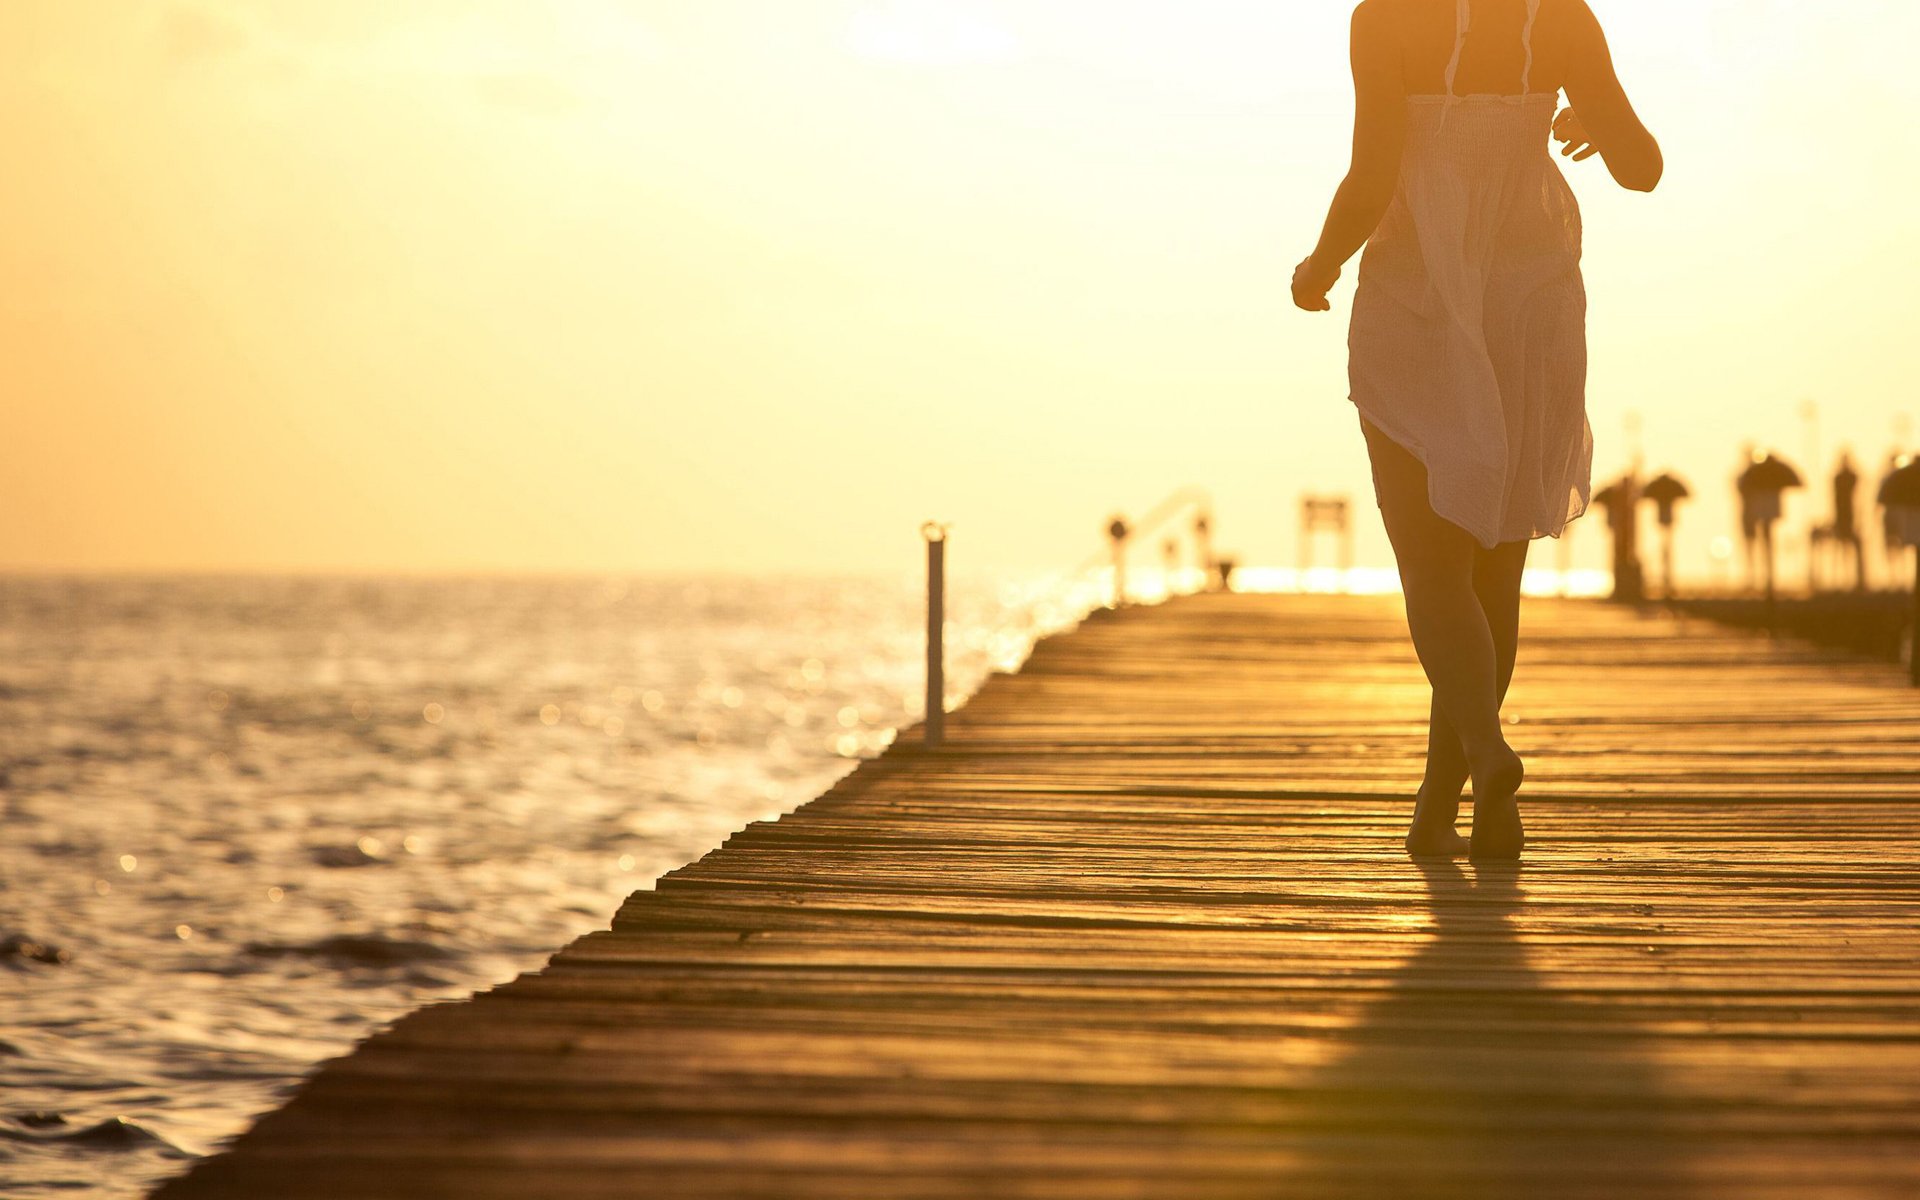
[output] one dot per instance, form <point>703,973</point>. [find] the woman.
<point>1467,353</point>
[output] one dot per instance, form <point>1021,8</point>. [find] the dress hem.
<point>1410,447</point>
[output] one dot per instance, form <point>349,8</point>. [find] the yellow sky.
<point>683,284</point>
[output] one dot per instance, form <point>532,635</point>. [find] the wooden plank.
<point>1142,929</point>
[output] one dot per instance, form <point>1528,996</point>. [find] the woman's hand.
<point>1572,134</point>
<point>1311,285</point>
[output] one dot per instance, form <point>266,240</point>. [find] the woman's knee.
<point>1429,580</point>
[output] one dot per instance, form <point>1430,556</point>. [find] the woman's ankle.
<point>1497,773</point>
<point>1438,802</point>
<point>1493,755</point>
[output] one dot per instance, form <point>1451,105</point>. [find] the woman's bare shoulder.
<point>1573,19</point>
<point>1572,30</point>
<point>1376,25</point>
<point>1377,16</point>
<point>1377,47</point>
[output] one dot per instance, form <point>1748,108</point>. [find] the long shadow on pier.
<point>1474,1077</point>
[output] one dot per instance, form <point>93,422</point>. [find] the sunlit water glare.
<point>258,818</point>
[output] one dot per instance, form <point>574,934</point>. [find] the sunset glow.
<point>342,284</point>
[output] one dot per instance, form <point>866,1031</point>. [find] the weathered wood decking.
<point>1143,930</point>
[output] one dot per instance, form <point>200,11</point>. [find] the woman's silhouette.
<point>1468,344</point>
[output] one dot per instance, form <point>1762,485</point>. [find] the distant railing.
<point>1181,502</point>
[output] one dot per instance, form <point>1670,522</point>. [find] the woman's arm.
<point>1379,139</point>
<point>1605,116</point>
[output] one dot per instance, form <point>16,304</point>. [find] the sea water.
<point>248,821</point>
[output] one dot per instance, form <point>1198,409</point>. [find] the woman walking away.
<point>1467,352</point>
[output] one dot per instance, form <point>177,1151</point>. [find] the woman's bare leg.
<point>1436,807</point>
<point>1496,581</point>
<point>1467,651</point>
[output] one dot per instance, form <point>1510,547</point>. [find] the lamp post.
<point>1203,545</point>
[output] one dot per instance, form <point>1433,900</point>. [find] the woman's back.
<point>1540,46</point>
<point>1505,42</point>
<point>1468,339</point>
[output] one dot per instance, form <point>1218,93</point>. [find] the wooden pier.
<point>1143,929</point>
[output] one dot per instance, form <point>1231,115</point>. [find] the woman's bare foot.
<point>1432,834</point>
<point>1497,831</point>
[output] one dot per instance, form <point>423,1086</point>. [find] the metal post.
<point>1666,561</point>
<point>1766,543</point>
<point>1306,539</point>
<point>934,729</point>
<point>1117,530</point>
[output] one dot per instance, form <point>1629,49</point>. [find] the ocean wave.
<point>114,1133</point>
<point>356,950</point>
<point>269,815</point>
<point>18,947</point>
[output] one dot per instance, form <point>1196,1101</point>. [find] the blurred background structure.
<point>644,285</point>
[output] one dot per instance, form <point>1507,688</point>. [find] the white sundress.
<point>1468,342</point>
